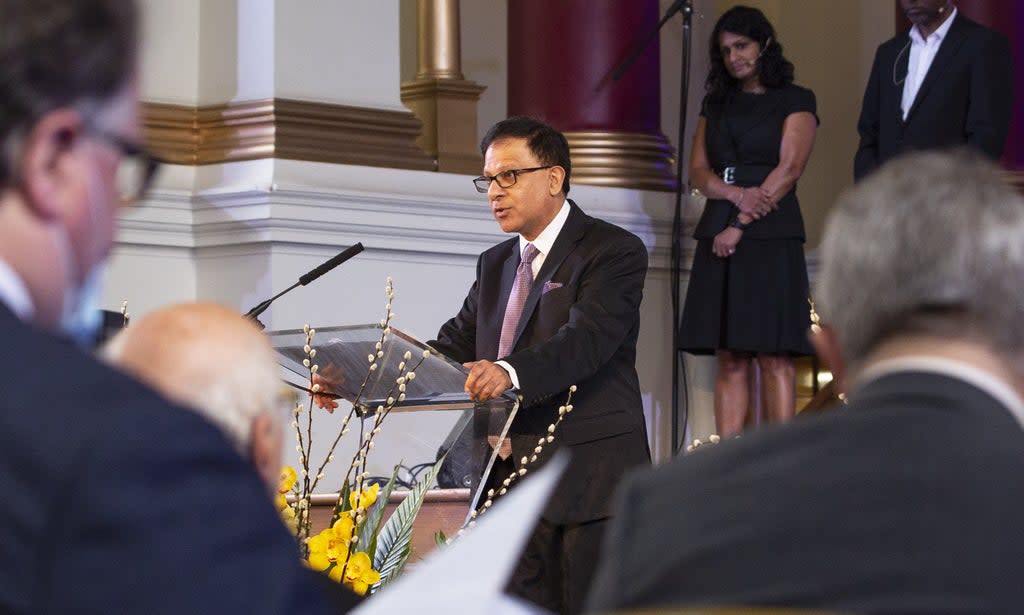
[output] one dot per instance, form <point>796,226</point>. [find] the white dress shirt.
<point>544,242</point>
<point>14,293</point>
<point>952,368</point>
<point>922,54</point>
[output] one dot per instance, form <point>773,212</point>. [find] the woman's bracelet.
<point>742,193</point>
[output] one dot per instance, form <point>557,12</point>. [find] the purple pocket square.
<point>549,286</point>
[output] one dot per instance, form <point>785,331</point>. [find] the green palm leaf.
<point>374,516</point>
<point>393,541</point>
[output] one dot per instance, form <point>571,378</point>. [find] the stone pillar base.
<point>447,109</point>
<point>622,159</point>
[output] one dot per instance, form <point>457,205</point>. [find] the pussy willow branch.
<point>493,495</point>
<point>391,395</point>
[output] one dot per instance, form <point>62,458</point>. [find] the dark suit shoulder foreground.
<point>118,502</point>
<point>907,501</point>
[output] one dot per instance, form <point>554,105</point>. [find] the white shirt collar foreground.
<point>14,293</point>
<point>953,368</point>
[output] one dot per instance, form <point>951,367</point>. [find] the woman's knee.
<point>731,363</point>
<point>776,364</point>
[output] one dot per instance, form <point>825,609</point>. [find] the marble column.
<point>561,57</point>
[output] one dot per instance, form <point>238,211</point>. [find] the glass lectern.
<point>435,415</point>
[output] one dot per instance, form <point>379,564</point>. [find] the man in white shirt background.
<point>947,81</point>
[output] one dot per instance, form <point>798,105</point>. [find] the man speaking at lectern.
<point>555,306</point>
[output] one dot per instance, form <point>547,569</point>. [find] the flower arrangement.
<point>358,548</point>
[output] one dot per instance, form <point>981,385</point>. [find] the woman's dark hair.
<point>774,70</point>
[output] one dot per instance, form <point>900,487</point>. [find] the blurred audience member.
<point>210,358</point>
<point>119,502</point>
<point>907,500</point>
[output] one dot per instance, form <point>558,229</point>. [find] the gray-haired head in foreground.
<point>930,244</point>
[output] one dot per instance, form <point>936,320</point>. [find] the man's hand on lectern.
<point>329,379</point>
<point>486,380</point>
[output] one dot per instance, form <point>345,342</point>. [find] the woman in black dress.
<point>747,297</point>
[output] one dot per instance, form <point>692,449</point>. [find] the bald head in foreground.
<point>908,499</point>
<point>212,359</point>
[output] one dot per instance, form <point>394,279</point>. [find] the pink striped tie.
<point>516,300</point>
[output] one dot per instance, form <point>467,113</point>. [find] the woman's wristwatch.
<point>737,224</point>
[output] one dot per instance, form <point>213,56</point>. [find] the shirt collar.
<point>546,240</point>
<point>938,35</point>
<point>952,368</point>
<point>14,293</point>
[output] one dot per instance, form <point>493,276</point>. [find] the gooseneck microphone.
<point>306,279</point>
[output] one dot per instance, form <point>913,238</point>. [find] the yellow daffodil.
<point>365,499</point>
<point>331,545</point>
<point>359,573</point>
<point>288,478</point>
<point>289,518</point>
<point>343,527</point>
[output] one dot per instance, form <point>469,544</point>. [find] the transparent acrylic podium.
<point>435,415</point>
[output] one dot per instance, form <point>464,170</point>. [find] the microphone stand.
<point>685,8</point>
<point>305,279</point>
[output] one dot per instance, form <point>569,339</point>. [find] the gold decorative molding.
<point>622,159</point>
<point>1017,179</point>
<point>439,95</point>
<point>438,43</point>
<point>287,129</point>
<point>447,108</point>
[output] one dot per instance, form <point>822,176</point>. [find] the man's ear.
<point>556,175</point>
<point>826,344</point>
<point>49,172</point>
<point>265,448</point>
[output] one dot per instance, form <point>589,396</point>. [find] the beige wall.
<point>832,45</point>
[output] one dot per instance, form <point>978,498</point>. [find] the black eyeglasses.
<point>505,179</point>
<point>135,171</point>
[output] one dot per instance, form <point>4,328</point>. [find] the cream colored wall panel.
<point>237,49</point>
<point>343,51</point>
<point>485,57</point>
<point>169,59</point>
<point>148,277</point>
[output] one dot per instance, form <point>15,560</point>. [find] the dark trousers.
<point>557,565</point>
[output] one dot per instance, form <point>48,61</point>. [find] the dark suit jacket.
<point>579,326</point>
<point>117,502</point>
<point>906,501</point>
<point>966,97</point>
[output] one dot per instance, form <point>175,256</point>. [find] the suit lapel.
<point>947,51</point>
<point>900,66</point>
<point>571,233</point>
